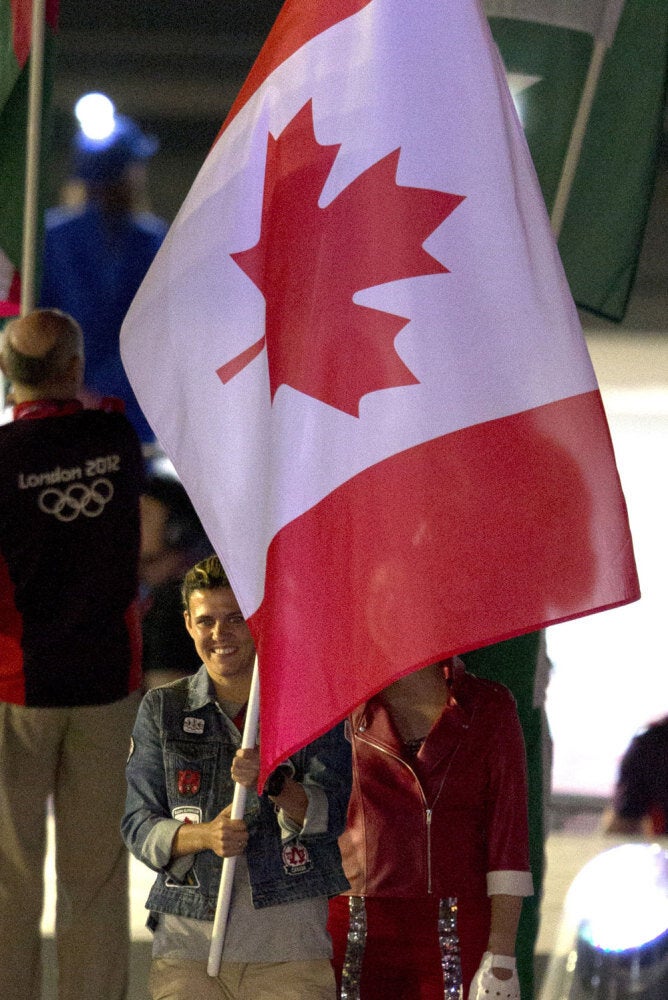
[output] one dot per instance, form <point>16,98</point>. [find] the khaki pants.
<point>177,980</point>
<point>76,755</point>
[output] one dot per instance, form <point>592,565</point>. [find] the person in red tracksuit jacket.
<point>436,842</point>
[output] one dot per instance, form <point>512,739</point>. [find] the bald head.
<point>42,355</point>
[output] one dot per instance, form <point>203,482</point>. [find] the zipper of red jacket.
<point>428,817</point>
<point>426,809</point>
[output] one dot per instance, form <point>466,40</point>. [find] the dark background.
<point>175,66</point>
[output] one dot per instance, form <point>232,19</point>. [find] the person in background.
<point>184,759</point>
<point>172,540</point>
<point>70,662</point>
<point>436,843</point>
<point>96,256</point>
<point>640,801</point>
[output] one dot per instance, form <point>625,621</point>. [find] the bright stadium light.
<point>621,897</point>
<point>613,939</point>
<point>96,116</point>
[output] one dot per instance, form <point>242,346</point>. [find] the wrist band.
<point>503,962</point>
<point>276,780</point>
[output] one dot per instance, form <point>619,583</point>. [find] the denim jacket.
<point>179,770</point>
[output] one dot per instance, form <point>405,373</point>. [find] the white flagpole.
<point>602,42</point>
<point>577,138</point>
<point>248,741</point>
<point>34,129</point>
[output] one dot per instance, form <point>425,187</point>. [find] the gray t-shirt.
<point>287,932</point>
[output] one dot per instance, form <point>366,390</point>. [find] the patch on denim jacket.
<point>187,814</point>
<point>190,881</point>
<point>188,781</point>
<point>296,858</point>
<point>193,725</point>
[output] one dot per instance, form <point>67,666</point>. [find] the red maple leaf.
<point>310,261</point>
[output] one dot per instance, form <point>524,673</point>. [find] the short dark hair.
<point>205,575</point>
<point>35,370</point>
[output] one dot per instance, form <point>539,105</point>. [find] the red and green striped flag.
<point>15,31</point>
<point>547,48</point>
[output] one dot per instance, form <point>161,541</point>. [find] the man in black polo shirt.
<point>70,661</point>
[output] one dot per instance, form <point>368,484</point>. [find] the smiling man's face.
<point>222,639</point>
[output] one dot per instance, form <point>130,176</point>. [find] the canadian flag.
<point>358,347</point>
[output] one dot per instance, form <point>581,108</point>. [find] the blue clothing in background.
<point>92,268</point>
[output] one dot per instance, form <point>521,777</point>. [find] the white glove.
<point>485,985</point>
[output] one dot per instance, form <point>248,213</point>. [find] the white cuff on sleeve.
<point>509,883</point>
<point>316,818</point>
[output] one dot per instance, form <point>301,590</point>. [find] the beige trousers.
<point>77,756</point>
<point>179,980</point>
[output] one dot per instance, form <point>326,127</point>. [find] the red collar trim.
<point>33,409</point>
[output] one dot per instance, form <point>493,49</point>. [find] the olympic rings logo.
<point>66,505</point>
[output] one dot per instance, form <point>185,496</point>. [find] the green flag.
<point>597,17</point>
<point>15,24</point>
<point>547,48</point>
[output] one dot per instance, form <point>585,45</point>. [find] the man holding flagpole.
<point>184,759</point>
<point>388,421</point>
